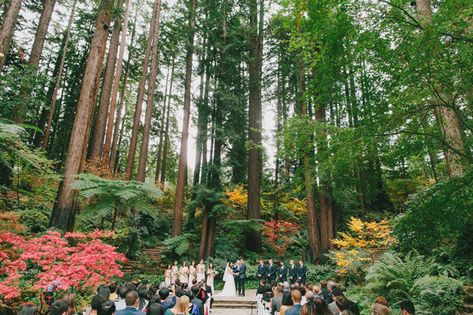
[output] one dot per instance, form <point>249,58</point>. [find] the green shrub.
<point>416,278</point>
<point>36,220</point>
<point>437,216</point>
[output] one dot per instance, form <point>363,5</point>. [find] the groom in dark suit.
<point>236,275</point>
<point>242,278</point>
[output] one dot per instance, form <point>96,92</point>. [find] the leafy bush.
<point>437,215</point>
<point>416,278</point>
<point>176,247</point>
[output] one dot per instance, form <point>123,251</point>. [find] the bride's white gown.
<point>229,288</point>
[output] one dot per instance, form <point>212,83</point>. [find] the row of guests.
<point>325,298</point>
<point>187,274</point>
<point>135,299</point>
<point>293,274</point>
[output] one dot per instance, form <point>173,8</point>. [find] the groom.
<point>236,275</point>
<point>242,278</point>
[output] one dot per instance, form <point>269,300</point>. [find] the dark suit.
<point>199,304</point>
<point>236,269</point>
<point>130,310</point>
<point>293,272</point>
<point>302,274</point>
<point>271,272</point>
<point>242,279</point>
<point>282,274</point>
<point>295,310</point>
<point>261,272</point>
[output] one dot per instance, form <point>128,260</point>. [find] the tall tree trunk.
<point>449,122</point>
<point>103,108</point>
<point>117,130</point>
<point>57,85</point>
<point>166,130</point>
<point>182,168</point>
<point>35,56</point>
<point>139,100</point>
<point>63,214</point>
<point>7,29</point>
<point>161,130</point>
<point>255,154</point>
<point>116,86</point>
<point>141,174</point>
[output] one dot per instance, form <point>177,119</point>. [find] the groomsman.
<point>282,272</point>
<point>261,271</point>
<point>302,273</point>
<point>293,272</point>
<point>271,271</point>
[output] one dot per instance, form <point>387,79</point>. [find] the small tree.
<point>280,235</point>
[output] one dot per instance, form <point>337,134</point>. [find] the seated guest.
<point>104,292</point>
<point>167,301</point>
<point>407,308</point>
<point>108,308</point>
<point>132,301</point>
<point>296,300</point>
<point>326,292</point>
<point>113,291</point>
<point>59,307</point>
<point>95,305</point>
<point>154,309</point>
<point>286,303</point>
<point>346,307</point>
<point>70,298</point>
<point>380,306</point>
<point>303,293</point>
<point>276,301</point>
<point>143,294</point>
<point>196,300</point>
<point>120,303</point>
<point>336,293</point>
<point>318,291</point>
<point>181,307</point>
<point>28,309</point>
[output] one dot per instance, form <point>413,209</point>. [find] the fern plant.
<point>417,278</point>
<point>176,247</point>
<point>114,198</point>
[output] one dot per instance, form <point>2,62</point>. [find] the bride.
<point>229,287</point>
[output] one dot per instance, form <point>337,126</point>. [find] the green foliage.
<point>416,278</point>
<point>437,215</point>
<point>176,247</point>
<point>36,220</point>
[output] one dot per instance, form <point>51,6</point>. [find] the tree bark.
<point>166,132</point>
<point>103,108</point>
<point>141,174</point>
<point>116,86</point>
<point>63,214</point>
<point>255,154</point>
<point>7,29</point>
<point>182,168</point>
<point>449,122</point>
<point>140,98</point>
<point>161,130</point>
<point>57,85</point>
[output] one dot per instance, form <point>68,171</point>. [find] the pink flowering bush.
<point>28,265</point>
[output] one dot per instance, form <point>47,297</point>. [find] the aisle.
<point>235,305</point>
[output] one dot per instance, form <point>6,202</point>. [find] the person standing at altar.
<point>302,273</point>
<point>167,276</point>
<point>242,277</point>
<point>192,273</point>
<point>293,272</point>
<point>211,273</point>
<point>184,273</point>
<point>236,274</point>
<point>271,271</point>
<point>282,272</point>
<point>201,271</point>
<point>174,272</point>
<point>261,271</point>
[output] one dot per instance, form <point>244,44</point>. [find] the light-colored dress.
<point>192,274</point>
<point>200,272</point>
<point>210,279</point>
<point>174,274</point>
<point>168,277</point>
<point>229,289</point>
<point>184,275</point>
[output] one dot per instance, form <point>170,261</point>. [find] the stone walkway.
<point>235,305</point>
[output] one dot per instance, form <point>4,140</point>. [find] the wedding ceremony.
<point>236,157</point>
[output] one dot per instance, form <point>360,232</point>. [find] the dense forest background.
<point>371,103</point>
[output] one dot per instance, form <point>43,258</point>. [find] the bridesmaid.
<point>168,276</point>
<point>192,273</point>
<point>174,272</point>
<point>184,273</point>
<point>201,271</point>
<point>211,273</point>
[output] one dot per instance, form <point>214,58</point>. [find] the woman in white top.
<point>167,276</point>
<point>229,288</point>
<point>211,273</point>
<point>201,271</point>
<point>184,273</point>
<point>174,272</point>
<point>192,273</point>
